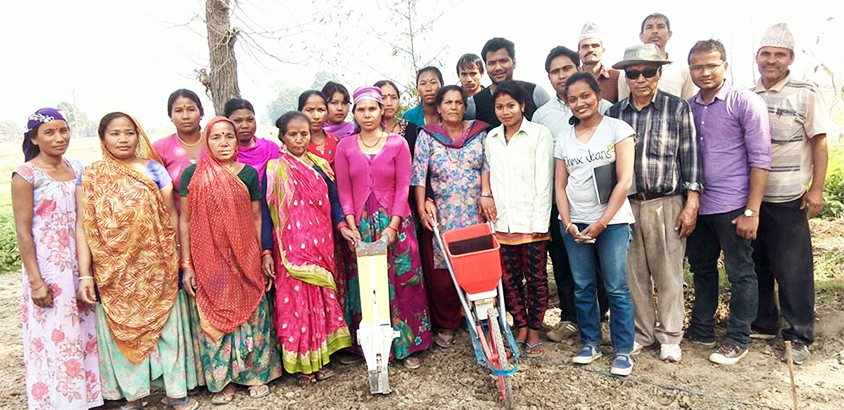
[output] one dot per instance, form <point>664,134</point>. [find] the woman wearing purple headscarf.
<point>59,335</point>
<point>373,180</point>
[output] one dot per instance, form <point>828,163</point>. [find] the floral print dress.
<point>59,343</point>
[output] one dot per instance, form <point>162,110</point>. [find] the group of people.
<point>216,258</point>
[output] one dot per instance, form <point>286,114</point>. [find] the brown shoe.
<point>566,330</point>
<point>728,354</point>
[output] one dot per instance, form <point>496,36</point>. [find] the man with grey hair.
<point>782,250</point>
<point>675,78</point>
<point>590,47</point>
<point>665,203</point>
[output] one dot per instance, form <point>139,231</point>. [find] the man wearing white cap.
<point>591,50</point>
<point>782,251</point>
<point>675,78</point>
<point>667,182</point>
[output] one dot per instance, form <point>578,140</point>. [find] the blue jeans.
<point>610,253</point>
<point>713,234</point>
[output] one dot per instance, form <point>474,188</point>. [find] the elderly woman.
<point>373,178</point>
<point>313,104</point>
<point>339,101</point>
<point>449,156</point>
<point>251,150</point>
<point>221,259</point>
<point>517,197</point>
<point>596,232</point>
<point>59,336</point>
<point>302,207</point>
<point>128,238</point>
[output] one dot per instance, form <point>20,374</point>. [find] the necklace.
<point>186,144</point>
<point>377,140</point>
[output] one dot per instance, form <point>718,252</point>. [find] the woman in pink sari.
<point>251,150</point>
<point>299,215</point>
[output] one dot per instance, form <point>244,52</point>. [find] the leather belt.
<point>647,196</point>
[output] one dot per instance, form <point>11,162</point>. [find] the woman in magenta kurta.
<point>251,150</point>
<point>373,180</point>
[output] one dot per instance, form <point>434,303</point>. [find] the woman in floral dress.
<point>59,336</point>
<point>449,156</point>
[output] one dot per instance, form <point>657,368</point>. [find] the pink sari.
<point>309,322</point>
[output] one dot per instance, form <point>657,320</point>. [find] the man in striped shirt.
<point>667,183</point>
<point>782,251</point>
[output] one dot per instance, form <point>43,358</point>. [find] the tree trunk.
<point>221,83</point>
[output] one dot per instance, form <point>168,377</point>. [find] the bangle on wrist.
<point>86,277</point>
<point>33,289</point>
<point>486,195</point>
<point>266,252</point>
<point>569,226</point>
<point>602,224</point>
<point>429,199</point>
<point>342,225</point>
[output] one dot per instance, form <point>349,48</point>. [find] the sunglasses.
<point>634,74</point>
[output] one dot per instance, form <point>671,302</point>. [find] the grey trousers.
<point>656,260</point>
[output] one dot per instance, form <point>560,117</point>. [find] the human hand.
<point>86,291</point>
<point>189,281</point>
<point>428,214</point>
<point>41,294</point>
<point>488,210</point>
<point>686,222</point>
<point>592,231</point>
<point>352,236</point>
<point>391,235</point>
<point>746,227</point>
<point>813,199</point>
<point>268,267</point>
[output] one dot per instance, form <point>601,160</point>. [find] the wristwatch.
<point>750,214</point>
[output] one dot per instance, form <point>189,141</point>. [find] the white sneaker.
<point>670,353</point>
<point>637,348</point>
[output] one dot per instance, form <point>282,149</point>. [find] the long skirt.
<point>408,302</point>
<point>247,356</point>
<point>309,322</point>
<point>170,364</point>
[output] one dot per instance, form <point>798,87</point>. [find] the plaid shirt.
<point>667,149</point>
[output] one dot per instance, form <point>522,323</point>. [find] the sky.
<point>108,55</point>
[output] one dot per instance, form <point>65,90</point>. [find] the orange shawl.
<point>224,245</point>
<point>133,248</point>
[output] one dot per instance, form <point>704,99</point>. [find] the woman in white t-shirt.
<point>595,233</point>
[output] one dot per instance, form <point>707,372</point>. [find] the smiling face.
<point>508,111</point>
<point>707,69</point>
<point>368,115</point>
<point>338,108</point>
<point>641,86</point>
<point>470,78</point>
<point>316,110</point>
<point>121,138</point>
<point>244,121</point>
<point>499,65</point>
<point>560,69</point>
<point>428,85</point>
<point>52,138</point>
<point>773,63</point>
<point>451,109</point>
<point>185,116</point>
<point>582,100</point>
<point>590,50</point>
<point>390,97</point>
<point>222,141</point>
<point>297,136</point>
<point>656,32</point>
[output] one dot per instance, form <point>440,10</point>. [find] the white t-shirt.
<point>581,158</point>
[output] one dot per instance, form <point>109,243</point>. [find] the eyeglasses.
<point>706,67</point>
<point>648,73</point>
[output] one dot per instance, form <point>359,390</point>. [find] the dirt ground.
<point>450,379</point>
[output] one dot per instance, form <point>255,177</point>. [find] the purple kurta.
<point>734,136</point>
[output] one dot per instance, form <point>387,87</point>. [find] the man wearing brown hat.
<point>675,78</point>
<point>782,251</point>
<point>665,203</point>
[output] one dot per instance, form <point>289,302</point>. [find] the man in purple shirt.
<point>735,142</point>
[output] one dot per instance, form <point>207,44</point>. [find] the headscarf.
<point>439,133</point>
<point>41,116</point>
<point>224,245</point>
<point>368,93</point>
<point>133,248</point>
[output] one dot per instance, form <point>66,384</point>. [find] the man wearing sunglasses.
<point>783,248</point>
<point>675,78</point>
<point>665,203</point>
<point>735,144</point>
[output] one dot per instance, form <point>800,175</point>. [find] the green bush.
<point>10,259</point>
<point>833,190</point>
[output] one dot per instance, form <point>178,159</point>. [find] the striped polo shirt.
<point>797,113</point>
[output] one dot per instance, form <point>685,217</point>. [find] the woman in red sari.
<point>300,213</point>
<point>221,260</point>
